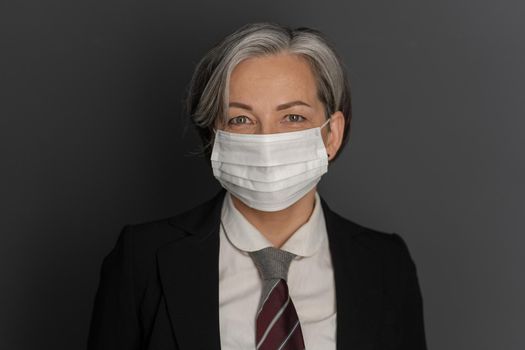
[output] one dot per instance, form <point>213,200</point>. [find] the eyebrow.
<point>279,108</point>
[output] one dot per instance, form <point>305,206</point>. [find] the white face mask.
<point>269,172</point>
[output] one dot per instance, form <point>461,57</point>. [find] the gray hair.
<point>208,91</point>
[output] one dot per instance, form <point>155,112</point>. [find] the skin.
<point>260,89</point>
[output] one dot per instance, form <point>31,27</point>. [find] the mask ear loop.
<point>326,122</point>
<point>322,126</point>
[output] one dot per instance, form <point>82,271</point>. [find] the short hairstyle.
<point>207,97</point>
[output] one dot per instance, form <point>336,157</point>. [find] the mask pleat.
<point>269,171</point>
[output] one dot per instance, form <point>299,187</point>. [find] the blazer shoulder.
<point>386,244</point>
<point>380,239</point>
<point>390,247</point>
<point>152,233</point>
<point>137,245</point>
<point>142,240</point>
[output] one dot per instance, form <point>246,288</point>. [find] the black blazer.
<point>159,286</point>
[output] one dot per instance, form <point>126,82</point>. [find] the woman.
<point>265,263</point>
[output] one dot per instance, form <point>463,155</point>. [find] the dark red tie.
<point>277,323</point>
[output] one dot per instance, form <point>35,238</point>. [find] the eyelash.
<point>231,120</point>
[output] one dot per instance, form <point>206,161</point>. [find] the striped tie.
<point>278,326</point>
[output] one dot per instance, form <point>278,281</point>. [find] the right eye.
<point>241,119</point>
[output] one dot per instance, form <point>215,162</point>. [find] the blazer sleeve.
<point>412,319</point>
<point>115,322</point>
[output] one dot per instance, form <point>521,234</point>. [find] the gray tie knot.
<point>272,263</point>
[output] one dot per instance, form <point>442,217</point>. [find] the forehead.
<point>281,74</point>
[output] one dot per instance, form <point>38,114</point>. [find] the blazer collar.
<point>202,219</point>
<point>188,270</point>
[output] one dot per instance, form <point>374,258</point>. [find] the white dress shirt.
<point>310,280</point>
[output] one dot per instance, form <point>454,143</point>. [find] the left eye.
<point>295,117</point>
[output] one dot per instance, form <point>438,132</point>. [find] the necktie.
<point>277,323</point>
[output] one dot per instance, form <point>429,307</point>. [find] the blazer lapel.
<point>188,270</point>
<point>357,274</point>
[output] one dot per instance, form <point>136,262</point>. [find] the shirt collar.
<point>305,241</point>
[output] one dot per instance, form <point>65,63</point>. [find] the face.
<point>275,94</point>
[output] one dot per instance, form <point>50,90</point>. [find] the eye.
<point>239,120</point>
<point>295,118</point>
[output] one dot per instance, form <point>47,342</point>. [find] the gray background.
<point>93,137</point>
